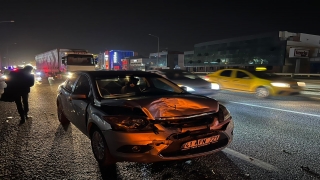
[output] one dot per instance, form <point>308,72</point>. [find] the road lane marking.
<point>251,160</point>
<point>301,113</point>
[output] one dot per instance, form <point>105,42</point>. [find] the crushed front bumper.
<point>166,145</point>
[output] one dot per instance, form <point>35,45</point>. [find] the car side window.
<point>142,83</point>
<point>243,75</point>
<point>158,83</point>
<point>70,83</point>
<point>226,73</point>
<point>82,86</point>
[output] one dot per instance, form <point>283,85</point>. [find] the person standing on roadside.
<point>19,83</point>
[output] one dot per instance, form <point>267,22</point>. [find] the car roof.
<point>116,73</point>
<point>169,70</point>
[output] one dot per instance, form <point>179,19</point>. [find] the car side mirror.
<point>78,97</point>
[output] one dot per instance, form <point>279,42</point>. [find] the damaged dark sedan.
<point>142,117</point>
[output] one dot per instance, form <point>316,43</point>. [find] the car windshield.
<point>115,87</point>
<point>181,75</point>
<point>264,75</point>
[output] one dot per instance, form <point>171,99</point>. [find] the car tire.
<point>100,149</point>
<point>61,117</point>
<point>262,92</point>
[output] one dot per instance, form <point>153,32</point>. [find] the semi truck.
<point>59,62</point>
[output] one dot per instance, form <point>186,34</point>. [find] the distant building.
<point>302,52</point>
<point>167,59</point>
<point>188,59</point>
<point>114,59</point>
<point>278,51</point>
<point>139,63</point>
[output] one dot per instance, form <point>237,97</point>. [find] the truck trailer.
<point>59,62</point>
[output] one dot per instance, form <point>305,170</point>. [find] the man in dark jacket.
<point>19,83</point>
<point>131,86</point>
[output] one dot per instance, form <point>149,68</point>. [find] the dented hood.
<point>169,106</point>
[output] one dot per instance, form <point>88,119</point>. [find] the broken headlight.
<point>223,114</point>
<point>126,123</point>
<point>223,117</point>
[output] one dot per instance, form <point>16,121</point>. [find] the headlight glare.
<point>278,84</point>
<point>303,84</point>
<point>215,86</point>
<point>4,77</point>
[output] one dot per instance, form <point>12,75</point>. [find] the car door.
<point>225,78</point>
<point>78,104</point>
<point>242,81</point>
<point>65,93</point>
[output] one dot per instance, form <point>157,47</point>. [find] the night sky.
<point>96,25</point>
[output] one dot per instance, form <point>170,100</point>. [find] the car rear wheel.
<point>262,92</point>
<point>100,149</point>
<point>62,118</point>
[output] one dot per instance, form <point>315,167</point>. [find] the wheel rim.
<point>262,92</point>
<point>98,145</point>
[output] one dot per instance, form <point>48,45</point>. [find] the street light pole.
<point>158,48</point>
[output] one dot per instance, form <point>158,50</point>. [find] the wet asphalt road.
<point>275,138</point>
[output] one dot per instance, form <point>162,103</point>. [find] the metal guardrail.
<point>298,75</point>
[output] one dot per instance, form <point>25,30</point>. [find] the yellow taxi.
<point>261,83</point>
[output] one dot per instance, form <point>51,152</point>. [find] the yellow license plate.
<point>200,142</point>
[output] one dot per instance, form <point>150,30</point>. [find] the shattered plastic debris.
<point>8,118</point>
<point>305,168</point>
<point>188,162</point>
<point>287,152</point>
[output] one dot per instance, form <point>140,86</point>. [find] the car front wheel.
<point>100,149</point>
<point>262,92</point>
<point>62,118</point>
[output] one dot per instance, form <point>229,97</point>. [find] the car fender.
<point>96,118</point>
